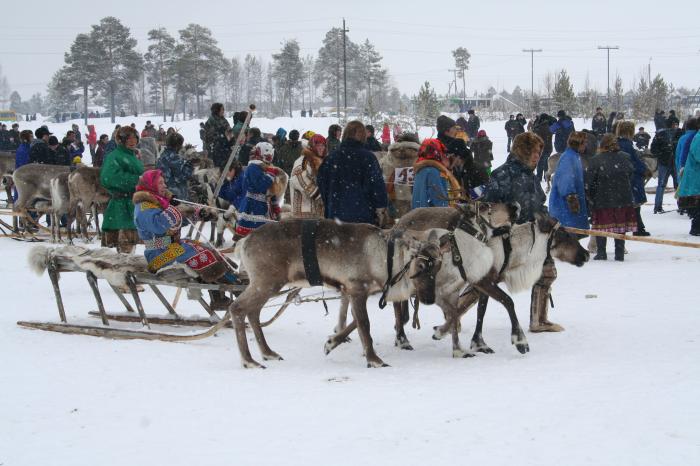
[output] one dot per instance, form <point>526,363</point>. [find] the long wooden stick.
<point>641,239</point>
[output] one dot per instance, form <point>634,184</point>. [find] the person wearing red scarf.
<point>433,183</point>
<point>158,223</point>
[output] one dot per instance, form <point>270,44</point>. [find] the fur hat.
<point>444,123</point>
<point>524,144</point>
<point>561,114</point>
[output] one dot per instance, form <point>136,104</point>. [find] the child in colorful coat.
<point>259,207</point>
<point>158,223</point>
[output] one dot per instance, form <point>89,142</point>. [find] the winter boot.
<point>600,242</point>
<point>620,250</point>
<point>219,300</point>
<point>641,229</point>
<point>539,301</point>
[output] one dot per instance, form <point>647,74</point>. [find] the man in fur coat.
<point>402,154</point>
<point>515,181</point>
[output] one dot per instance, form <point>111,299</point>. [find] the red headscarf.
<point>433,149</point>
<point>317,139</point>
<point>149,183</point>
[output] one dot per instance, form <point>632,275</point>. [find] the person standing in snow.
<point>305,196</point>
<point>176,171</point>
<point>482,148</point>
<point>625,133</point>
<point>511,128</point>
<point>218,136</point>
<point>598,123</point>
<point>372,144</point>
<point>433,183</point>
<point>333,139</point>
<point>561,130</point>
<point>567,201</point>
<point>473,124</point>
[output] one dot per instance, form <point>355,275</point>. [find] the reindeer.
<point>7,166</point>
<point>33,183</point>
<point>353,258</point>
<point>86,194</point>
<point>488,265</point>
<point>467,222</point>
<point>530,244</point>
<point>60,205</point>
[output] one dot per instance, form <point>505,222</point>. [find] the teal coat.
<point>690,182</point>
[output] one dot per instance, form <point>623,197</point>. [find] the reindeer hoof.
<point>460,353</point>
<point>520,343</point>
<point>253,365</point>
<point>481,348</point>
<point>437,334</point>
<point>377,363</point>
<point>272,357</point>
<point>403,343</point>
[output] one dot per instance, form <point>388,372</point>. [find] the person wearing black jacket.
<point>457,151</point>
<point>598,123</point>
<point>59,152</point>
<point>672,118</point>
<point>642,139</point>
<point>511,128</point>
<point>39,151</point>
<point>372,144</point>
<point>662,149</point>
<point>473,124</point>
<point>659,119</point>
<point>254,136</point>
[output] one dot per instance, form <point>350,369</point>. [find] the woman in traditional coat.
<point>119,175</point>
<point>305,196</point>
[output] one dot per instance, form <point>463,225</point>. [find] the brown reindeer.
<point>86,194</point>
<point>7,166</point>
<point>352,258</point>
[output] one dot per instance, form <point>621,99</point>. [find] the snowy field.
<point>619,387</point>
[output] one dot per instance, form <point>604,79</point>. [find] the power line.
<point>532,70</point>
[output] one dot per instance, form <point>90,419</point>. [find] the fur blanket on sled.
<point>105,263</point>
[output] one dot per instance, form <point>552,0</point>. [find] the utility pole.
<point>608,48</point>
<point>532,72</point>
<point>345,71</point>
<point>649,72</point>
<point>455,80</point>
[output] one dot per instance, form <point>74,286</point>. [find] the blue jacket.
<point>176,172</point>
<point>232,191</point>
<point>351,184</point>
<point>569,180</point>
<point>690,183</point>
<point>561,131</point>
<point>638,194</point>
<point>254,209</point>
<point>515,182</point>
<point>22,155</point>
<point>683,148</point>
<point>429,189</point>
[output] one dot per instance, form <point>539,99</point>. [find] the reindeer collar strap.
<point>456,255</point>
<point>507,250</point>
<point>473,231</point>
<point>550,240</point>
<point>309,254</point>
<point>391,281</point>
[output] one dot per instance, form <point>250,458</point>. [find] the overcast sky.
<point>414,37</point>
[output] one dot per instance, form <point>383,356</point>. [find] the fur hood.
<point>405,150</point>
<point>144,196</point>
<point>454,185</point>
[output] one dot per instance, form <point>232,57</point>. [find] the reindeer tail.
<point>39,257</point>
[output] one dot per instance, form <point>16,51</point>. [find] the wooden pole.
<point>641,239</point>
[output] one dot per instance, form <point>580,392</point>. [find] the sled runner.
<point>127,272</point>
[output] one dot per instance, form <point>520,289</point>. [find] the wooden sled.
<point>139,315</point>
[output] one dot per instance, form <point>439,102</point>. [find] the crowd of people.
<point>338,176</point>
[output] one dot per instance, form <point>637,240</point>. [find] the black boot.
<point>641,229</point>
<point>620,250</point>
<point>600,242</point>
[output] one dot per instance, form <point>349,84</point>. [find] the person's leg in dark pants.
<point>664,173</point>
<point>641,229</point>
<point>694,215</point>
<point>601,242</point>
<point>619,250</point>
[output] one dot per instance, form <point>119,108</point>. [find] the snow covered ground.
<point>620,386</point>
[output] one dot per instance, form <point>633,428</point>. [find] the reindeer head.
<point>563,245</point>
<point>426,249</point>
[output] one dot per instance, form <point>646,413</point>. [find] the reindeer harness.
<point>309,254</point>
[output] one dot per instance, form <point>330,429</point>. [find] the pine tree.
<point>462,56</point>
<point>81,66</point>
<point>15,101</point>
<point>61,91</point>
<point>4,90</point>
<point>288,69</point>
<point>199,56</point>
<point>118,63</point>
<point>563,92</point>
<point>618,94</point>
<point>252,70</point>
<point>160,59</point>
<point>426,105</point>
<point>375,77</point>
<point>658,92</point>
<point>329,67</point>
